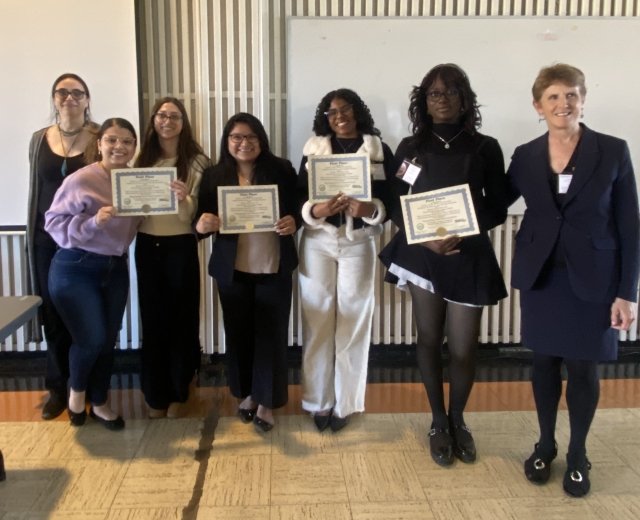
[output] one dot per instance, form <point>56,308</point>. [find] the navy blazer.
<point>272,170</point>
<point>597,225</point>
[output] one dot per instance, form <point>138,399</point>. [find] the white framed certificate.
<point>347,173</point>
<point>144,191</point>
<point>438,214</point>
<point>248,209</point>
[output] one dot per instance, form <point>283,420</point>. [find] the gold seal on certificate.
<point>347,173</point>
<point>144,191</point>
<point>437,214</point>
<point>248,209</point>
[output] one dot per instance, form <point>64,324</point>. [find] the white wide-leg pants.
<point>336,279</point>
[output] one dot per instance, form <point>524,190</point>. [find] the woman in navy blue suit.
<point>575,263</point>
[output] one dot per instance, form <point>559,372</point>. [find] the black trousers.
<point>169,294</point>
<point>55,332</point>
<point>255,311</point>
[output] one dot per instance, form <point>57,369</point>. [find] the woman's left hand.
<point>180,189</point>
<point>360,209</point>
<point>286,226</point>
<point>623,313</point>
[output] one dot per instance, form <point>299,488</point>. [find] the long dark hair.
<point>453,77</point>
<point>71,75</point>
<point>361,113</point>
<point>91,153</point>
<point>188,148</point>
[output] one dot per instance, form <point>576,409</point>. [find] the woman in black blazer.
<point>576,263</point>
<point>252,270</point>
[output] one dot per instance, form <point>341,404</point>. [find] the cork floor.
<point>209,465</point>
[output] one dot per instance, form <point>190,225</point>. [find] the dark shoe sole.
<point>113,424</point>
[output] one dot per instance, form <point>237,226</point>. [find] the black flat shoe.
<point>337,423</point>
<point>247,414</point>
<point>441,446</point>
<point>261,425</point>
<point>322,421</point>
<point>576,481</point>
<point>537,468</point>
<point>464,446</point>
<point>53,408</point>
<point>77,419</point>
<point>110,424</point>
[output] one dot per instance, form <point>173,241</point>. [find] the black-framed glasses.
<point>164,116</point>
<point>343,111</point>
<point>435,95</point>
<point>113,140</point>
<point>64,93</point>
<point>238,138</point>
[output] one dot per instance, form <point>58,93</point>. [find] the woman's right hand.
<point>446,246</point>
<point>104,215</point>
<point>336,204</point>
<point>208,223</point>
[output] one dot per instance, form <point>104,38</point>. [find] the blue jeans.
<point>90,293</point>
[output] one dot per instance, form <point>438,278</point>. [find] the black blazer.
<point>272,170</point>
<point>597,225</point>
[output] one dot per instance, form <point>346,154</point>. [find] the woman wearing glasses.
<point>450,280</point>
<point>55,152</point>
<point>252,270</point>
<point>89,277</point>
<point>167,265</point>
<point>337,261</point>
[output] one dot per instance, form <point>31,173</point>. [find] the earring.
<point>57,117</point>
<point>540,118</point>
<point>582,113</point>
<point>87,118</point>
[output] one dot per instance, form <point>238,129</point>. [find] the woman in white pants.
<point>337,260</point>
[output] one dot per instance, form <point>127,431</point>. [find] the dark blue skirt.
<point>555,322</point>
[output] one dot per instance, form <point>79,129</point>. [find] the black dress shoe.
<point>464,446</point>
<point>53,408</point>
<point>3,474</point>
<point>441,446</point>
<point>110,424</point>
<point>261,425</point>
<point>77,418</point>
<point>576,481</point>
<point>337,423</point>
<point>537,468</point>
<point>322,421</point>
<point>247,414</point>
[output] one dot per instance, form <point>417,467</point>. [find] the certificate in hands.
<point>347,173</point>
<point>144,191</point>
<point>248,209</point>
<point>438,214</point>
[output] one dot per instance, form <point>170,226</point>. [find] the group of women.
<point>576,258</point>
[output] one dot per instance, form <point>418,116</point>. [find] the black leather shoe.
<point>77,419</point>
<point>576,481</point>
<point>110,424</point>
<point>337,423</point>
<point>53,408</point>
<point>247,414</point>
<point>261,425</point>
<point>537,468</point>
<point>441,446</point>
<point>322,421</point>
<point>464,446</point>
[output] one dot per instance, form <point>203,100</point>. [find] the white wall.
<point>41,39</point>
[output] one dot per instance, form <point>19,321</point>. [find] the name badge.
<point>408,171</point>
<point>377,171</point>
<point>564,181</point>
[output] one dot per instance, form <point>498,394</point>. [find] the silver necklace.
<point>63,168</point>
<point>351,146</point>
<point>447,144</point>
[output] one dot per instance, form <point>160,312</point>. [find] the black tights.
<point>583,392</point>
<point>432,315</point>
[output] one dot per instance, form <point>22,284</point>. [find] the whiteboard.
<point>383,58</point>
<point>41,40</point>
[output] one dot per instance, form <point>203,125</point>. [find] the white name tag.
<point>408,172</point>
<point>564,181</point>
<point>377,171</point>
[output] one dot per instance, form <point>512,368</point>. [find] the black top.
<point>472,276</point>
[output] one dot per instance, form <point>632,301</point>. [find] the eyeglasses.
<point>63,93</point>
<point>343,111</point>
<point>112,140</point>
<point>163,116</point>
<point>238,138</point>
<point>435,95</point>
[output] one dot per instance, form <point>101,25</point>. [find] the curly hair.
<point>453,77</point>
<point>361,113</point>
<point>558,73</point>
<point>188,148</point>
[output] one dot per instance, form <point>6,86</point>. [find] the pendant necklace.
<point>63,168</point>
<point>351,145</point>
<point>447,144</point>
